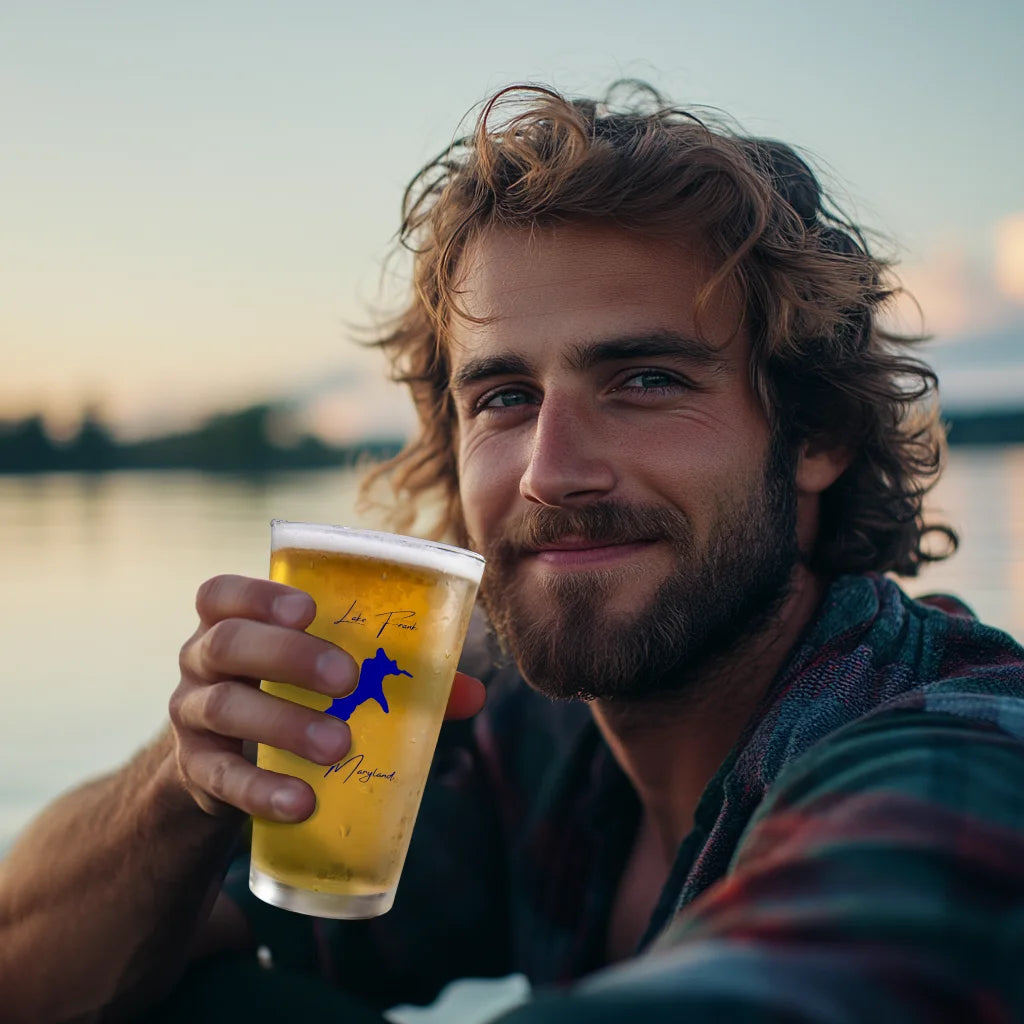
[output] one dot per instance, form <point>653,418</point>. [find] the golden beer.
<point>401,608</point>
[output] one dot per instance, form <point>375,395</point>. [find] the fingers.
<point>253,629</point>
<point>467,697</point>
<point>236,710</point>
<point>240,597</point>
<point>241,648</point>
<point>220,778</point>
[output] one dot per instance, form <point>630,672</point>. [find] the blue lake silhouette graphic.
<point>372,674</point>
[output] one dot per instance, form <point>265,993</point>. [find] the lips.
<point>606,535</point>
<point>575,543</point>
<point>580,552</point>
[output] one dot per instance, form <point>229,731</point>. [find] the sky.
<point>199,198</point>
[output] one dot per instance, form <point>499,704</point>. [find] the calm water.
<point>101,574</point>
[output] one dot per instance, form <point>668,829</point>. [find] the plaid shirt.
<point>859,855</point>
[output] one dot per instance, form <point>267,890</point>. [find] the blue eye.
<point>650,380</point>
<point>507,399</point>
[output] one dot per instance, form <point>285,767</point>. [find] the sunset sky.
<point>198,197</point>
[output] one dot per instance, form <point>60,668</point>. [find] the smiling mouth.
<point>578,553</point>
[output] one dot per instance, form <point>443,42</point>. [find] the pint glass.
<point>401,607</point>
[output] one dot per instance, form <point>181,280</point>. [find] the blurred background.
<point>198,202</point>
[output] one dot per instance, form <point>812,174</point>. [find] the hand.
<point>252,629</point>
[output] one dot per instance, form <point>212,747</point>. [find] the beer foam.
<point>426,554</point>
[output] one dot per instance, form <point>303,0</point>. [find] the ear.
<point>819,466</point>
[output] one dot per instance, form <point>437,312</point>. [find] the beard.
<point>718,595</point>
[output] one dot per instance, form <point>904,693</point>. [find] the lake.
<point>101,572</point>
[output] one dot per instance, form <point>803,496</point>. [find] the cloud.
<point>945,290</point>
<point>376,408</point>
<point>972,303</point>
<point>959,291</point>
<point>1008,269</point>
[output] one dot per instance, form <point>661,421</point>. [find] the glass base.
<point>318,904</point>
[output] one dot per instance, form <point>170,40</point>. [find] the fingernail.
<point>337,670</point>
<point>291,609</point>
<point>329,738</point>
<point>287,802</point>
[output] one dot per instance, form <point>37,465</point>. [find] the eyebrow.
<point>586,355</point>
<point>487,367</point>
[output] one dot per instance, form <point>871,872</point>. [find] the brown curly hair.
<point>825,371</point>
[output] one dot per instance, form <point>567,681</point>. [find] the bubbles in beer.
<point>356,840</point>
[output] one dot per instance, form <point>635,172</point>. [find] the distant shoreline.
<point>991,427</point>
<point>248,441</point>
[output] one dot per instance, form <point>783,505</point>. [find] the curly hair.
<point>824,369</point>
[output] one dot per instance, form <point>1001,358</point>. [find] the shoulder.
<point>947,753</point>
<point>932,720</point>
<point>919,798</point>
<point>873,647</point>
<point>909,734</point>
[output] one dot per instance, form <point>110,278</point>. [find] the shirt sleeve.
<point>881,880</point>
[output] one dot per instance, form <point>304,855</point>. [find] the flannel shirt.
<point>858,856</point>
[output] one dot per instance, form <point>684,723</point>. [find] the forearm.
<point>102,898</point>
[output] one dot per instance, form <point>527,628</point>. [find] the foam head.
<point>390,547</point>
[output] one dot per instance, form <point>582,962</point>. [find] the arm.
<point>882,881</point>
<point>106,895</point>
<point>102,894</point>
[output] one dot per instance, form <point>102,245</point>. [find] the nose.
<point>568,460</point>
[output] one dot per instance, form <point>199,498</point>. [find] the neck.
<point>670,748</point>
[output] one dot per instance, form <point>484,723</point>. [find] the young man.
<point>653,391</point>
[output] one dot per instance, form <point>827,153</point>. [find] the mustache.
<point>602,523</point>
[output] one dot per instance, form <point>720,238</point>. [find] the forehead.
<point>546,288</point>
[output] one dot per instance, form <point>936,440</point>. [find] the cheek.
<point>703,473</point>
<point>488,487</point>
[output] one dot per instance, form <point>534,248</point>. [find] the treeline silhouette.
<point>246,441</point>
<point>243,441</point>
<point>995,426</point>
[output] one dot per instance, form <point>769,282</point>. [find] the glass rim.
<point>380,544</point>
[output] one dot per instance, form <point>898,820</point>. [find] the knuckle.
<point>218,644</point>
<point>186,652</point>
<point>174,705</point>
<point>216,782</point>
<point>186,765</point>
<point>206,595</point>
<point>217,704</point>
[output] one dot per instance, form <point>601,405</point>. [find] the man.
<point>653,391</point>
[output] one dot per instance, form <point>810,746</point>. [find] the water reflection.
<point>100,577</point>
<point>981,496</point>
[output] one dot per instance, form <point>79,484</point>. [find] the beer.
<point>401,608</point>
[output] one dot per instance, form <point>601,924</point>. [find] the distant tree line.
<point>998,426</point>
<point>245,441</point>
